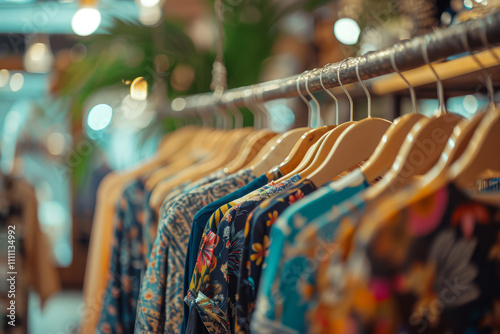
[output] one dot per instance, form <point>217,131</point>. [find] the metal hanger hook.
<point>297,84</point>
<point>351,105</point>
<point>263,108</point>
<point>487,76</point>
<point>257,119</point>
<point>331,94</point>
<point>318,110</point>
<point>439,83</point>
<point>410,87</point>
<point>368,96</point>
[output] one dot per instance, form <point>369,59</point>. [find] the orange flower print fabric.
<point>439,277</point>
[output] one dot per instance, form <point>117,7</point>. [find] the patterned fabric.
<point>212,291</point>
<point>199,223</point>
<point>257,230</point>
<point>278,282</point>
<point>432,267</point>
<point>206,180</point>
<point>160,307</point>
<point>135,230</point>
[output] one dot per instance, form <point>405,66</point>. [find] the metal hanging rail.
<point>408,55</point>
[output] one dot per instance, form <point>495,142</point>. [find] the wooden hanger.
<point>278,152</point>
<point>354,145</point>
<point>422,147</point>
<point>438,176</point>
<point>481,158</point>
<point>187,157</point>
<point>254,145</point>
<point>386,152</point>
<point>231,143</point>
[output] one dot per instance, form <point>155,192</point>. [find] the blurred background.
<point>86,86</point>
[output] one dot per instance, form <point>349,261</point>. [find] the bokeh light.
<point>85,21</point>
<point>55,143</point>
<point>139,89</point>
<point>16,82</point>
<point>347,31</point>
<point>4,77</point>
<point>149,3</point>
<point>100,117</point>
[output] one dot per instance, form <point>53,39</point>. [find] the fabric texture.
<point>255,247</point>
<point>160,307</point>
<point>199,222</point>
<point>278,288</point>
<point>212,292</point>
<point>134,232</point>
<point>443,278</point>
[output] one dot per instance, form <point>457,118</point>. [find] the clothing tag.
<point>488,185</point>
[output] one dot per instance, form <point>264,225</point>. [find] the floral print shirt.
<point>277,291</point>
<point>135,229</point>
<point>160,307</point>
<point>255,247</point>
<point>212,291</point>
<point>431,267</point>
<point>199,223</point>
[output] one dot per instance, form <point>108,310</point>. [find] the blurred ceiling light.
<point>150,16</point>
<point>4,77</point>
<point>16,82</point>
<point>38,57</point>
<point>178,104</point>
<point>347,31</point>
<point>139,89</point>
<point>149,3</point>
<point>55,143</point>
<point>99,117</point>
<point>85,21</point>
<point>201,32</point>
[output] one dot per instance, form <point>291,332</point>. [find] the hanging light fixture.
<point>87,19</point>
<point>38,57</point>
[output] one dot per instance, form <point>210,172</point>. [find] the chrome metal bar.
<point>441,44</point>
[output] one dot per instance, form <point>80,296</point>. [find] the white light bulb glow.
<point>100,117</point>
<point>85,21</point>
<point>16,82</point>
<point>149,3</point>
<point>347,31</point>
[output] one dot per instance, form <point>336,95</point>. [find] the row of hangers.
<point>442,148</point>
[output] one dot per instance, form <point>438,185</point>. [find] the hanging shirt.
<point>160,307</point>
<point>271,299</point>
<point>200,221</point>
<point>432,267</point>
<point>217,175</point>
<point>212,291</point>
<point>255,247</point>
<point>134,232</point>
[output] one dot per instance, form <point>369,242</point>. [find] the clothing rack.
<point>481,34</point>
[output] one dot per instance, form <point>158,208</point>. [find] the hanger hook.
<point>410,87</point>
<point>297,84</point>
<point>440,89</point>
<point>351,105</point>
<point>262,107</point>
<point>330,93</point>
<point>368,96</point>
<point>257,119</point>
<point>318,108</point>
<point>487,76</point>
<point>235,112</point>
